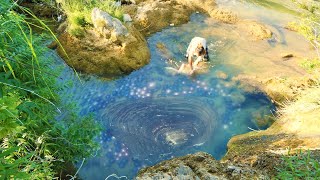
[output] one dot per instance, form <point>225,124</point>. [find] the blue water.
<point>153,114</point>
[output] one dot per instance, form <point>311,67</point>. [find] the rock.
<point>124,51</point>
<point>224,15</point>
<point>286,56</point>
<point>257,30</point>
<point>108,26</point>
<point>189,167</point>
<point>152,16</point>
<point>232,169</point>
<point>204,6</point>
<point>53,45</point>
<point>127,2</point>
<point>237,98</point>
<point>126,18</point>
<point>221,75</point>
<point>184,172</point>
<point>62,27</point>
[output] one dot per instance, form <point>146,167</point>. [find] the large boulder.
<point>150,16</point>
<point>110,49</point>
<point>153,16</point>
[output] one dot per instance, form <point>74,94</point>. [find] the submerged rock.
<point>224,15</point>
<point>257,30</point>
<point>110,49</point>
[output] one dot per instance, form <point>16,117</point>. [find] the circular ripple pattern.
<point>156,126</point>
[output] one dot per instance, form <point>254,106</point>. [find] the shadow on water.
<point>153,115</point>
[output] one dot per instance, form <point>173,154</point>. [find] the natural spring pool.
<point>153,115</point>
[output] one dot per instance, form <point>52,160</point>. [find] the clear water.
<point>153,115</point>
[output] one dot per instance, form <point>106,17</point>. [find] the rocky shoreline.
<point>101,51</point>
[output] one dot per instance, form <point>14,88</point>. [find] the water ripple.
<point>161,125</point>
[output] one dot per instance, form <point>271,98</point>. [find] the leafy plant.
<point>38,134</point>
<point>299,166</point>
<point>79,12</point>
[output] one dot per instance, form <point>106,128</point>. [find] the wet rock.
<point>224,15</point>
<point>52,45</point>
<point>286,56</point>
<point>221,75</point>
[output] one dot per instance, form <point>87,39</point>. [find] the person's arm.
<point>190,61</point>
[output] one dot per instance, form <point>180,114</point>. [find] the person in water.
<point>198,48</point>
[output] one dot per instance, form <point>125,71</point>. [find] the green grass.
<point>303,114</point>
<point>311,64</point>
<point>79,13</point>
<point>299,166</point>
<point>33,143</point>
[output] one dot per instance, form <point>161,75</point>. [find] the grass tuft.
<point>299,166</point>
<point>79,13</point>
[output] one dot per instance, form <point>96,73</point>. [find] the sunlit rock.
<point>127,18</point>
<point>257,30</point>
<point>224,15</point>
<point>109,49</point>
<point>109,26</point>
<point>199,166</point>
